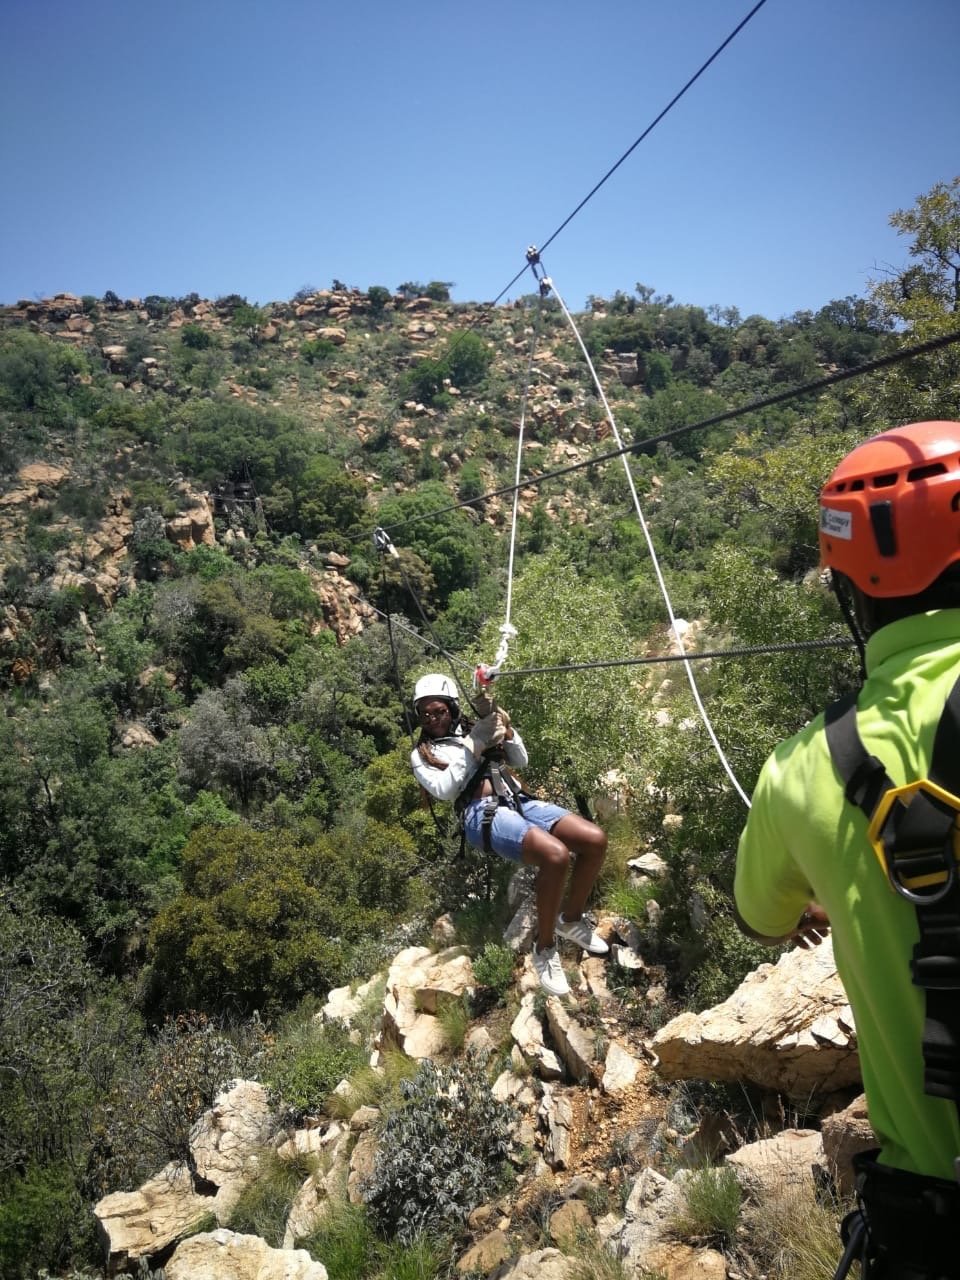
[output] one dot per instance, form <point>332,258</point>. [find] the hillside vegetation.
<point>206,810</point>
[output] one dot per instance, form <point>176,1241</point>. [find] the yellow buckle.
<point>879,822</point>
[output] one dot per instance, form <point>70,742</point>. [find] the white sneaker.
<point>583,934</point>
<point>550,971</point>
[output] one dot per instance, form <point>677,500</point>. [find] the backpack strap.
<point>918,845</point>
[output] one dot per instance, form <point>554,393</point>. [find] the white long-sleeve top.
<point>462,764</point>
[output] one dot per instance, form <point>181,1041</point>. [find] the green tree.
<point>248,320</point>
<point>332,505</point>
<point>35,371</point>
<point>263,919</point>
<point>924,299</point>
<point>576,725</point>
<point>467,359</point>
<point>378,297</point>
<point>448,543</point>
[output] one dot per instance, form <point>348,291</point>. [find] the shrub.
<point>453,1018</point>
<point>442,1152</point>
<point>345,1242</point>
<point>260,377</point>
<point>792,1233</point>
<point>374,1087</point>
<point>493,968</point>
<point>378,297</point>
<point>195,337</point>
<point>711,1207</point>
<point>190,1062</point>
<point>40,1219</point>
<point>467,359</point>
<point>307,1063</point>
<point>264,1205</point>
<point>315,350</point>
<point>349,1248</point>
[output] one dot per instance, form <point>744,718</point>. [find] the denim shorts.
<point>509,827</point>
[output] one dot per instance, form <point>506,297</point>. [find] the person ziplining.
<point>472,765</point>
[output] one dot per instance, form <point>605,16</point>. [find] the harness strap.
<point>507,790</point>
<point>918,848</point>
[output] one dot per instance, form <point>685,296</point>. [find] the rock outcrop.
<point>788,1027</point>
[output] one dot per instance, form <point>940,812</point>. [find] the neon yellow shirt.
<point>804,841</point>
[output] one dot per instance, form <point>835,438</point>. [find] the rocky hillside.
<point>208,823</point>
<point>608,1142</point>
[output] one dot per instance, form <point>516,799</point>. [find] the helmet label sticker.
<point>836,524</point>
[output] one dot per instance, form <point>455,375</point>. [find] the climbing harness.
<point>913,832</point>
<point>507,791</point>
<point>904,1225</point>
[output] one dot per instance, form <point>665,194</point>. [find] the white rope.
<point>653,555</point>
<point>508,631</point>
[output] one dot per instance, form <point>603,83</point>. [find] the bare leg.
<point>551,857</point>
<point>589,843</point>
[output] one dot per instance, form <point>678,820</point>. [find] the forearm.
<point>809,931</point>
<point>445,784</point>
<point>752,933</point>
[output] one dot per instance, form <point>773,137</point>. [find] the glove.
<point>504,718</point>
<point>486,733</point>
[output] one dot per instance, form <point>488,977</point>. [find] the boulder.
<point>527,1032</point>
<point>845,1134</point>
<point>556,1114</point>
<point>788,1026</point>
<point>37,473</point>
<point>193,528</point>
<point>343,1004</point>
<point>652,1206</point>
<point>486,1254</point>
<point>677,1261</point>
<point>569,1223</point>
<point>544,1264</point>
<point>419,983</point>
<point>137,1224</point>
<point>312,1201</point>
<point>227,1141</point>
<point>786,1160</point>
<point>226,1255</point>
<point>576,1046</point>
<point>620,1070</point>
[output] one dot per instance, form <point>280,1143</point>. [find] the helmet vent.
<point>881,518</point>
<point>923,473</point>
<point>885,481</point>
<point>856,486</point>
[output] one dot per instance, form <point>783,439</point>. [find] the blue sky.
<point>233,146</point>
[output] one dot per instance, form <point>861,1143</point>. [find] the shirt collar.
<point>920,630</point>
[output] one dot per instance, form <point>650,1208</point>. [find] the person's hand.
<point>486,733</point>
<point>812,927</point>
<point>504,718</point>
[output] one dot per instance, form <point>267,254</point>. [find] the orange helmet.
<point>890,513</point>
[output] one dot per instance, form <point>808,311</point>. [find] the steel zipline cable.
<point>633,146</point>
<point>742,651</point>
<point>629,151</point>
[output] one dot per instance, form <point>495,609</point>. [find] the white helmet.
<point>435,686</point>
